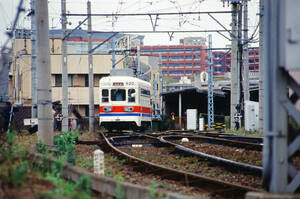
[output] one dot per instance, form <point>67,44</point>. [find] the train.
<point>125,103</point>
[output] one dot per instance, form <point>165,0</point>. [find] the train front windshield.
<point>118,94</point>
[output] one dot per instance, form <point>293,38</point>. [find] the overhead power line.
<point>159,31</point>
<point>147,14</point>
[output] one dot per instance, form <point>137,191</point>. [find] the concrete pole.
<point>65,112</point>
<point>234,94</point>
<point>161,108</point>
<point>179,110</point>
<point>113,54</point>
<point>33,64</point>
<point>91,73</point>
<point>45,118</point>
<point>139,70</point>
<point>240,64</point>
<point>261,66</point>
<point>18,84</point>
<point>246,56</point>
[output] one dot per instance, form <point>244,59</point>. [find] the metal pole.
<point>91,73</point>
<point>65,124</point>
<point>234,93</point>
<point>45,118</point>
<point>210,95</point>
<point>261,66</point>
<point>33,64</point>
<point>246,55</point>
<point>278,115</point>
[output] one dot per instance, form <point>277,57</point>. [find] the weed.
<point>154,194</point>
<point>119,193</point>
<point>14,171</point>
<point>86,163</point>
<point>65,145</point>
<point>83,184</point>
<point>108,172</point>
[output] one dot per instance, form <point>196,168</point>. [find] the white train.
<point>124,103</point>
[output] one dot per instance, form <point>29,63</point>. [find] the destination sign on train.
<point>118,84</point>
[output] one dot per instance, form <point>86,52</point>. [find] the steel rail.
<point>238,165</point>
<point>218,140</point>
<point>186,178</point>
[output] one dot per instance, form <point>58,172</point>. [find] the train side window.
<point>105,95</point>
<point>131,95</point>
<point>118,94</point>
<point>145,92</point>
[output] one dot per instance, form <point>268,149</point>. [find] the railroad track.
<point>125,146</point>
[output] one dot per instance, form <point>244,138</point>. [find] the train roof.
<point>124,79</point>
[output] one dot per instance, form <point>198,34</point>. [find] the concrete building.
<point>77,61</point>
<point>189,58</point>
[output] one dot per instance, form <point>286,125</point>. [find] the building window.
<point>188,72</point>
<point>188,65</point>
<point>70,80</point>
<point>58,80</point>
<point>176,57</point>
<point>188,57</point>
<point>86,80</point>
<point>86,110</point>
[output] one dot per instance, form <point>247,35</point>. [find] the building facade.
<point>77,64</point>
<point>190,58</point>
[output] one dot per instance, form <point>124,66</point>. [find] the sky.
<point>202,22</point>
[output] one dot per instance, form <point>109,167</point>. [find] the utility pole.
<point>113,45</point>
<point>240,103</point>
<point>261,66</point>
<point>91,73</point>
<point>139,71</point>
<point>33,63</point>
<point>45,118</point>
<point>235,83</point>
<point>246,56</point>
<point>65,112</point>
<point>210,95</point>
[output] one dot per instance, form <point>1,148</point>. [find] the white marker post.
<point>99,162</point>
<point>201,124</point>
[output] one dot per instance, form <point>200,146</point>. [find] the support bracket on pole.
<point>154,24</point>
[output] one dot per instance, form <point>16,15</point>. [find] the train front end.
<point>122,104</point>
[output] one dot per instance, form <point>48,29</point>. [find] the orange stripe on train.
<point>118,109</point>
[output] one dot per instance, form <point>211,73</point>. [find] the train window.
<point>145,92</point>
<point>131,95</point>
<point>118,94</point>
<point>104,95</point>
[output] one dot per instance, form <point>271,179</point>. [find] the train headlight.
<point>128,109</point>
<point>107,109</point>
